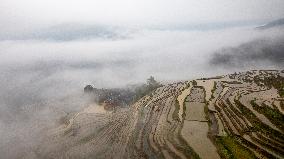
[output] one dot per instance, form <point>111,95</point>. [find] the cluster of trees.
<point>124,95</point>
<point>147,88</point>
<point>272,81</point>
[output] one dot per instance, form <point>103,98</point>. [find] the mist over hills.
<point>252,53</point>
<point>237,115</point>
<point>50,50</point>
<point>69,32</point>
<point>255,52</point>
<point>275,23</point>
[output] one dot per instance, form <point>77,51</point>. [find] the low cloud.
<point>68,32</point>
<point>258,52</point>
<point>42,80</point>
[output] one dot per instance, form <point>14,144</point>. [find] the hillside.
<point>275,23</point>
<point>240,115</point>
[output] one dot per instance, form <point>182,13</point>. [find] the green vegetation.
<point>232,82</point>
<point>194,83</point>
<point>216,77</point>
<point>181,145</point>
<point>274,115</point>
<point>206,111</point>
<point>258,124</point>
<point>175,113</point>
<point>230,148</point>
<point>272,81</point>
<point>281,92</point>
<point>184,109</point>
<point>213,90</point>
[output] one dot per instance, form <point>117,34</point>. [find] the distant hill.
<point>70,32</point>
<point>275,23</point>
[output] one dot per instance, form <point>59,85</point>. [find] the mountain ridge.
<point>272,24</point>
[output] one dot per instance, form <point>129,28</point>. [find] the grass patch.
<point>274,115</point>
<point>182,145</point>
<point>232,82</point>
<point>272,81</point>
<point>258,125</point>
<point>230,148</point>
<point>175,115</point>
<point>213,90</point>
<point>281,92</point>
<point>184,148</point>
<point>194,83</point>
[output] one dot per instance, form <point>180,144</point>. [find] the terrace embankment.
<point>234,116</point>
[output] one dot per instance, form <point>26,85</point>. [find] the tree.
<point>152,83</point>
<point>147,88</point>
<point>88,89</point>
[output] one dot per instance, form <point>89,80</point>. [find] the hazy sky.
<point>15,14</point>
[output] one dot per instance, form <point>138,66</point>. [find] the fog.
<point>42,78</point>
<point>47,59</point>
<point>257,53</point>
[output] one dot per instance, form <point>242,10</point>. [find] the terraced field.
<point>233,116</point>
